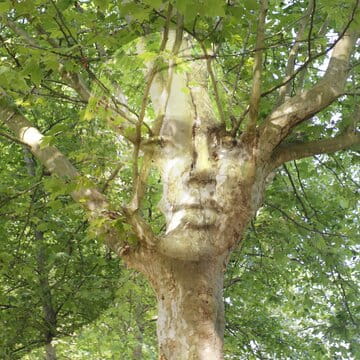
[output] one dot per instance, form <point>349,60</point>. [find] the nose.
<point>202,167</point>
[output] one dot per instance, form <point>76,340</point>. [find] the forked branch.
<point>214,84</point>
<point>140,176</point>
<point>308,103</point>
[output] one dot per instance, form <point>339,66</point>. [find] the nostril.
<point>202,176</point>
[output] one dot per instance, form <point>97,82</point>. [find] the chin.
<point>190,242</point>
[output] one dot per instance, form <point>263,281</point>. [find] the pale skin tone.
<point>202,178</point>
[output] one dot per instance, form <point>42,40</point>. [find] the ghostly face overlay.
<point>202,197</point>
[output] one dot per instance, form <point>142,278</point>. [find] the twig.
<point>239,121</point>
<point>4,201</point>
<point>14,139</point>
<point>290,67</point>
<point>111,177</point>
<point>312,3</point>
<point>10,52</point>
<point>316,56</point>
<point>303,226</point>
<point>295,191</point>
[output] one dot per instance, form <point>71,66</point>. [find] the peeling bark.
<point>190,308</point>
<point>212,187</point>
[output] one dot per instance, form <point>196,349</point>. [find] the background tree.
<point>50,284</point>
<point>223,103</point>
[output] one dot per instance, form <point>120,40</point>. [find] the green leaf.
<point>51,62</point>
<point>42,226</point>
<point>57,128</point>
<point>46,141</point>
<point>214,8</point>
<point>344,203</point>
<point>32,67</point>
<point>102,4</point>
<point>5,6</point>
<point>155,4</point>
<point>251,4</point>
<point>64,4</point>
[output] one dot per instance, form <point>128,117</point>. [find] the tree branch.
<point>111,177</point>
<point>13,139</point>
<point>284,91</point>
<point>56,163</point>
<point>77,83</point>
<point>288,152</point>
<point>256,85</point>
<point>214,83</point>
<point>140,177</point>
<point>306,104</point>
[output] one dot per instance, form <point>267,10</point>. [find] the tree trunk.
<point>50,352</point>
<point>139,318</point>
<point>43,277</point>
<point>137,352</point>
<point>190,308</point>
<point>49,312</point>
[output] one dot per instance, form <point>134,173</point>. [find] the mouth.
<point>199,216</point>
<point>209,205</point>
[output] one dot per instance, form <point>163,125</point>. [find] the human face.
<point>203,195</point>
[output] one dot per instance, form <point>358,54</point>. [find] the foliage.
<point>293,286</point>
<point>47,258</point>
<point>127,328</point>
<point>293,292</point>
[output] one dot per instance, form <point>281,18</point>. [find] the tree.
<point>223,103</point>
<point>50,286</point>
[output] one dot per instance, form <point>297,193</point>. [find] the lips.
<point>204,205</point>
<point>195,215</point>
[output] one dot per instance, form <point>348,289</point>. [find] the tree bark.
<point>50,352</point>
<point>49,313</point>
<point>190,321</point>
<point>139,337</point>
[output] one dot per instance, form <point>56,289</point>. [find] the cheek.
<point>174,175</point>
<point>228,186</point>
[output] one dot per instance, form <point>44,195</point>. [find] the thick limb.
<point>308,103</point>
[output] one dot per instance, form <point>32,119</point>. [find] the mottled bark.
<point>296,151</point>
<point>306,104</point>
<point>190,321</point>
<point>212,186</point>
